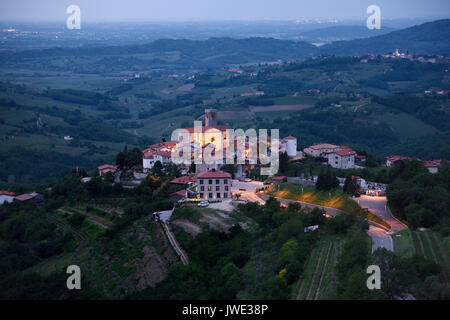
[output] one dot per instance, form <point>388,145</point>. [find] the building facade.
<point>342,159</point>
<point>214,185</point>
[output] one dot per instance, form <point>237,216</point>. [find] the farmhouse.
<point>214,184</point>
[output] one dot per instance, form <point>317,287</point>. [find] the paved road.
<point>377,205</point>
<point>331,211</point>
<point>380,239</point>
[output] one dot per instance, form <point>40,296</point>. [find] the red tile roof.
<point>397,158</point>
<point>346,152</point>
<point>218,174</point>
<point>182,193</point>
<point>166,154</point>
<point>160,145</point>
<point>107,166</point>
<point>6,193</point>
<point>24,197</point>
<point>280,178</point>
<point>183,180</point>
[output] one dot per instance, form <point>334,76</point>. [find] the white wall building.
<point>289,145</point>
<point>6,197</point>
<point>151,157</point>
<point>342,159</point>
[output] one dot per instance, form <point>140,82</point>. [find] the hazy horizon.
<point>144,11</point>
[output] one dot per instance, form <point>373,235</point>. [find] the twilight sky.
<point>189,10</point>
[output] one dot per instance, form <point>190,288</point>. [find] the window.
<point>209,188</point>
<point>226,188</point>
<point>218,194</point>
<point>210,195</point>
<point>217,181</point>
<point>225,181</point>
<point>209,181</point>
<point>201,195</point>
<point>217,188</point>
<point>225,195</point>
<point>201,181</point>
<point>202,188</point>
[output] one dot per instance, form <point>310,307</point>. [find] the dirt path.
<point>97,220</point>
<point>324,270</point>
<point>188,226</point>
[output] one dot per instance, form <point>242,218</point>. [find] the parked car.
<point>247,180</point>
<point>203,203</point>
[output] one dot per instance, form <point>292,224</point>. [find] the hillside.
<point>160,55</point>
<point>432,38</point>
<point>336,33</point>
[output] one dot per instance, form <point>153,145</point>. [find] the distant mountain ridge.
<point>431,37</point>
<point>183,55</point>
<point>335,33</point>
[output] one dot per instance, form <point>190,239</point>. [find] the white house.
<point>342,159</point>
<point>151,157</point>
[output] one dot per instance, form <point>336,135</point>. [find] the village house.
<point>106,168</point>
<point>34,198</point>
<point>342,159</point>
<point>214,185</point>
<point>151,157</point>
<point>321,149</point>
<point>180,194</point>
<point>6,196</point>
<point>432,165</point>
<point>391,160</point>
<point>183,181</point>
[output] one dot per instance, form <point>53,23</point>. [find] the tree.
<point>157,169</point>
<point>350,186</point>
<point>275,288</point>
<point>284,162</point>
<point>133,158</point>
<point>120,159</point>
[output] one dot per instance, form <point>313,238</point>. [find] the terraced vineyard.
<point>426,243</point>
<point>318,279</point>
